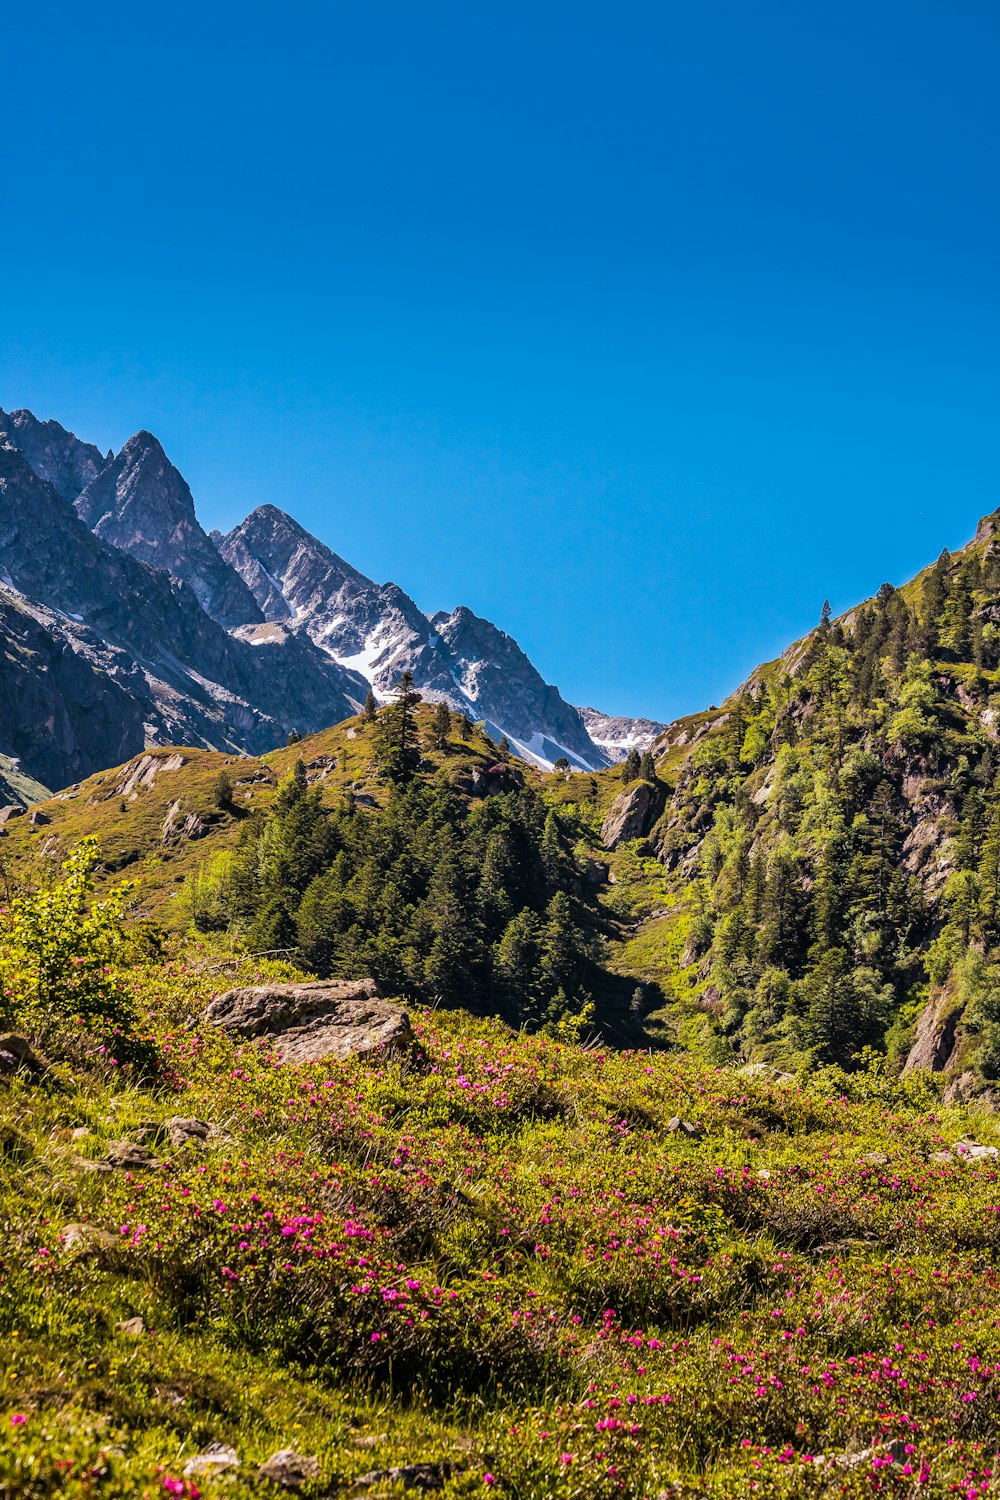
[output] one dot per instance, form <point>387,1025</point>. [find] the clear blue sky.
<point>639,328</point>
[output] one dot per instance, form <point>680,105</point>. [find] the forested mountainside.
<point>832,837</point>
<point>123,625</point>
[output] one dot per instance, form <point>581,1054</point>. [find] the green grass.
<point>502,1259</point>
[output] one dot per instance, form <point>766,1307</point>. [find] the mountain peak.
<point>141,503</point>
<point>53,452</point>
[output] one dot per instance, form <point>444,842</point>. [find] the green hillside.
<point>510,1263</point>
<point>817,870</point>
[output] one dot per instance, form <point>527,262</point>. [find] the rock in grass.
<point>974,1151</point>
<point>84,1240</point>
<point>129,1156</point>
<point>132,1328</point>
<point>290,1469</point>
<point>307,1022</point>
<point>675,1125</point>
<point>185,1130</point>
<point>217,1458</point>
<point>18,1056</point>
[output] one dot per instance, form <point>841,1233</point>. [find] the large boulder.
<point>633,813</point>
<point>306,1022</point>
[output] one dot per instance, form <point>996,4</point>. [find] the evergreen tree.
<point>396,744</point>
<point>647,769</point>
<point>552,849</point>
<point>370,710</point>
<point>222,792</point>
<point>630,766</point>
<point>464,728</point>
<point>935,592</point>
<point>440,725</point>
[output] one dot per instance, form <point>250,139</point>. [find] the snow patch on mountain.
<point>617,736</point>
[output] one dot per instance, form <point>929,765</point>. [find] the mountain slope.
<point>378,630</point>
<point>831,838</point>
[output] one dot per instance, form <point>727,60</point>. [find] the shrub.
<point>57,949</point>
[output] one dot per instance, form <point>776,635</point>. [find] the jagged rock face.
<point>163,634</point>
<point>120,654</point>
<point>378,630</point>
<point>633,813</point>
<point>141,504</point>
<point>59,714</point>
<point>496,677</point>
<point>617,736</point>
<point>371,628</point>
<point>934,1042</point>
<point>55,455</point>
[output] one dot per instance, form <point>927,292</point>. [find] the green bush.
<point>58,948</point>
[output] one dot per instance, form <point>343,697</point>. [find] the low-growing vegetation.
<point>540,1269</point>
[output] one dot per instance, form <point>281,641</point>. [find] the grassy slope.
<point>129,828</point>
<point>503,1260</point>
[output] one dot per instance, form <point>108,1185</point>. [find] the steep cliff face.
<point>142,505</point>
<point>62,711</point>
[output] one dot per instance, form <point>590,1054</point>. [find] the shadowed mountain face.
<point>124,624</point>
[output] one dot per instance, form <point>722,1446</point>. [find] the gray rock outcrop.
<point>307,1022</point>
<point>934,1041</point>
<point>633,813</point>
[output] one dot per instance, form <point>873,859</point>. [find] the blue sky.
<point>639,328</point>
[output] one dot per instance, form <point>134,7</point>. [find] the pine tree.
<point>464,728</point>
<point>440,725</point>
<point>293,737</point>
<point>222,792</point>
<point>396,745</point>
<point>551,849</point>
<point>647,769</point>
<point>935,592</point>
<point>630,767</point>
<point>370,710</point>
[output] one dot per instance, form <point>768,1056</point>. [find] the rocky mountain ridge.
<point>104,654</point>
<point>124,624</point>
<point>378,630</point>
